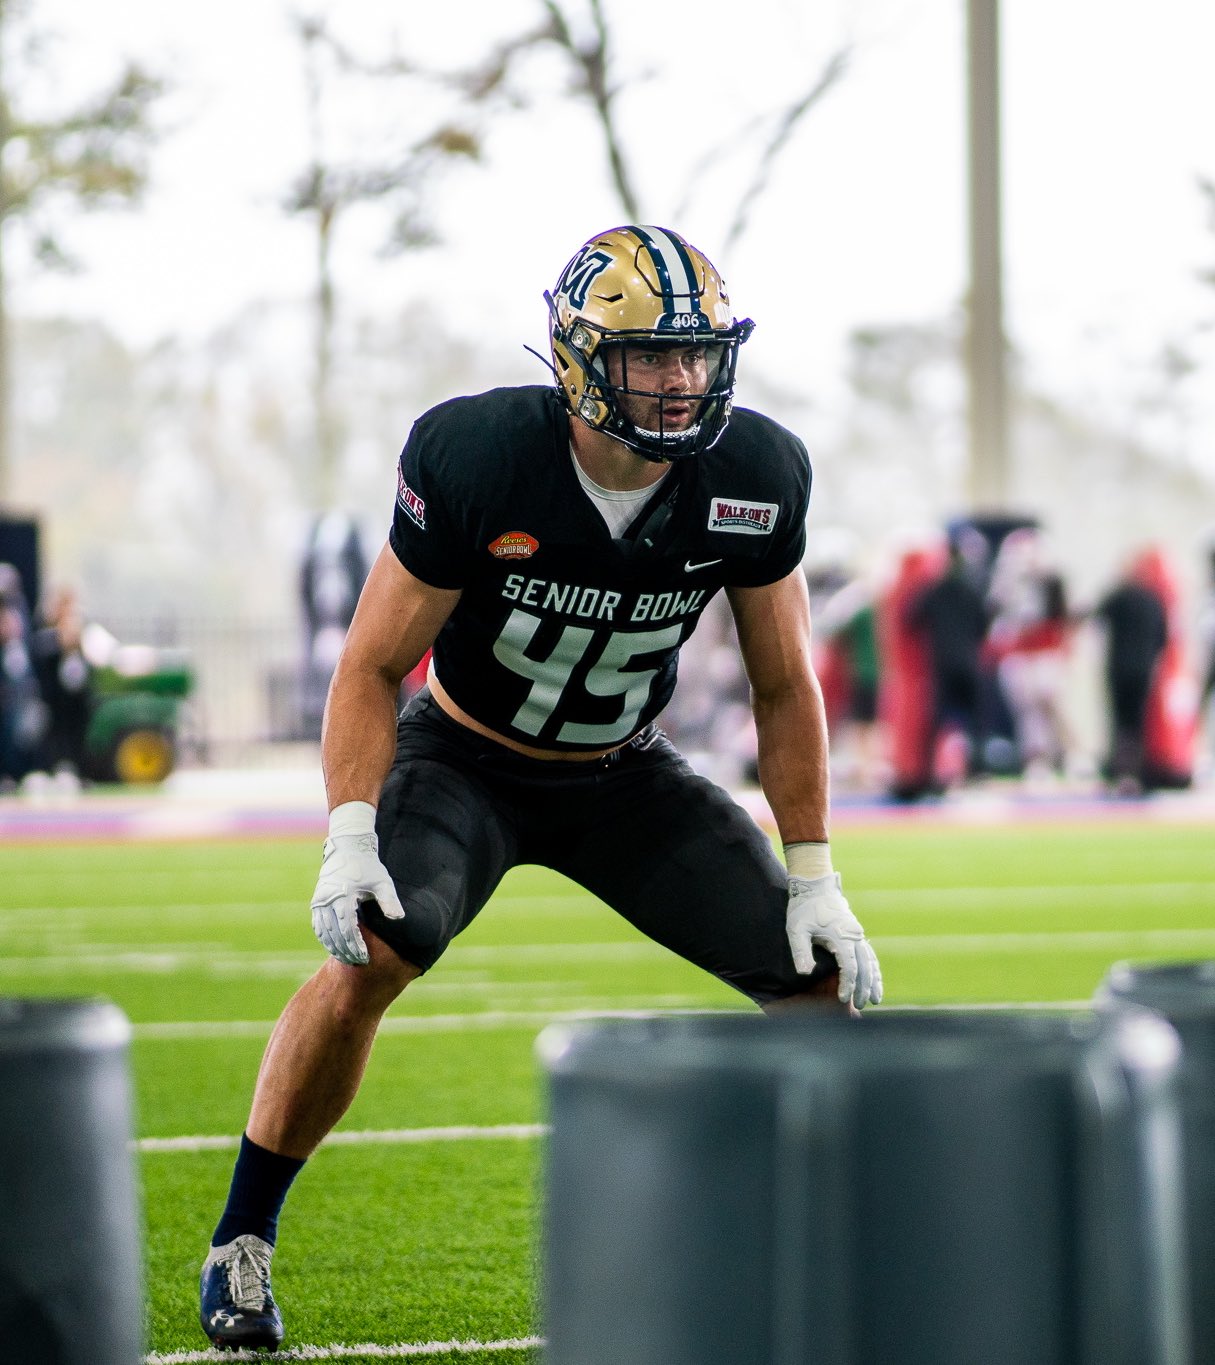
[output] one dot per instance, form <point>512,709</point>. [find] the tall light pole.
<point>986,353</point>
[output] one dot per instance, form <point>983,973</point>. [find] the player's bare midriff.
<point>457,713</point>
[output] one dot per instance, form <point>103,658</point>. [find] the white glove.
<point>819,913</point>
<point>351,872</point>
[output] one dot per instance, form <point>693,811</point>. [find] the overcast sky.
<point>1108,115</point>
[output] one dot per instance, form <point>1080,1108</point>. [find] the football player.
<point>554,546</point>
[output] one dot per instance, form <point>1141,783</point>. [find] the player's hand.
<point>819,913</point>
<point>351,873</point>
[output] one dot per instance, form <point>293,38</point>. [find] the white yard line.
<point>988,899</point>
<point>163,959</point>
<point>338,1351</point>
<point>1116,941</point>
<point>522,1131</point>
<point>17,917</point>
<point>488,1020</point>
<point>356,1138</point>
<point>483,1020</point>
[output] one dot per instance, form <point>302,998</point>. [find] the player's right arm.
<point>395,623</point>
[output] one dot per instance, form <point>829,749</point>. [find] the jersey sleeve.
<point>786,548</point>
<point>428,533</point>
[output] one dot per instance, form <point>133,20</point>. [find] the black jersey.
<point>564,638</point>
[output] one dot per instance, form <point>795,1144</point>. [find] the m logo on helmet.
<point>582,273</point>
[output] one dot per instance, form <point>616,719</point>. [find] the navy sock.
<point>259,1185</point>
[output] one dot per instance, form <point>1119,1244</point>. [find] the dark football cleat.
<point>236,1306</point>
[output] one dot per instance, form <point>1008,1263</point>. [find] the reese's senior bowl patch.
<point>514,545</point>
<point>409,502</point>
<point>748,518</point>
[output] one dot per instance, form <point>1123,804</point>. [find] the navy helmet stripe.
<point>676,274</point>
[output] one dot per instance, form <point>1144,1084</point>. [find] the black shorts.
<point>639,829</point>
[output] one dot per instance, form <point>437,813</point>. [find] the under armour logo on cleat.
<point>228,1320</point>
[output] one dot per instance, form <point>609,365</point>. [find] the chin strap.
<point>647,537</point>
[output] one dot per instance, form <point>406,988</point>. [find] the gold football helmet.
<point>643,286</point>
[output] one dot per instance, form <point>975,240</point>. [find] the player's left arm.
<point>773,625</point>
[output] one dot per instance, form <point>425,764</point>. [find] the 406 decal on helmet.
<point>633,296</point>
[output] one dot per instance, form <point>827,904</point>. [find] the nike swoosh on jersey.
<point>689,567</point>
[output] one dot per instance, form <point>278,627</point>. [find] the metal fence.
<point>253,702</point>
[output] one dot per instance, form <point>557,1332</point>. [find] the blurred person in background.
<point>906,696</point>
<point>556,546</point>
<point>951,616</point>
<point>1133,615</point>
<point>1029,643</point>
<point>65,679</point>
<point>23,714</point>
<point>332,574</point>
<point>1170,730</point>
<point>1206,637</point>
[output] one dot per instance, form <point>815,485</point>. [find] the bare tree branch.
<point>328,186</point>
<point>830,76</point>
<point>590,57</point>
<point>593,61</point>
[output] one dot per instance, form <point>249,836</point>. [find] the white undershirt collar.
<point>617,506</point>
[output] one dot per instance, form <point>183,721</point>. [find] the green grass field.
<point>408,1240</point>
